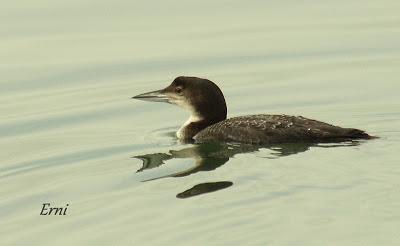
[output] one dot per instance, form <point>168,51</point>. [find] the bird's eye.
<point>178,90</point>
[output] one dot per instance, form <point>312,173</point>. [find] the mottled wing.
<point>266,129</point>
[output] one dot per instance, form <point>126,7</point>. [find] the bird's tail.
<point>358,134</point>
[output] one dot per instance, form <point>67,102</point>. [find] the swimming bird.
<point>208,118</point>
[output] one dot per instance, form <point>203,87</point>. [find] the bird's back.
<point>270,129</point>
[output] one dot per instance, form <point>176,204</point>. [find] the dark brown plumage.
<point>206,103</point>
<point>269,129</point>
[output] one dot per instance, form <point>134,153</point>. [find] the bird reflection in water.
<point>209,156</point>
<point>204,188</point>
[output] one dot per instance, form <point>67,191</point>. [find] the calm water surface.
<point>70,134</point>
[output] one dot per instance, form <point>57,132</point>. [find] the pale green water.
<point>69,130</point>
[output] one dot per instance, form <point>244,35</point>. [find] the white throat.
<point>194,116</point>
<point>181,132</point>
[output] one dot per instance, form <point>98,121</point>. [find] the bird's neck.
<point>194,125</point>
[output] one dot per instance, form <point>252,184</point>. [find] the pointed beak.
<point>153,96</point>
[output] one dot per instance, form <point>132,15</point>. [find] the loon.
<point>208,122</point>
